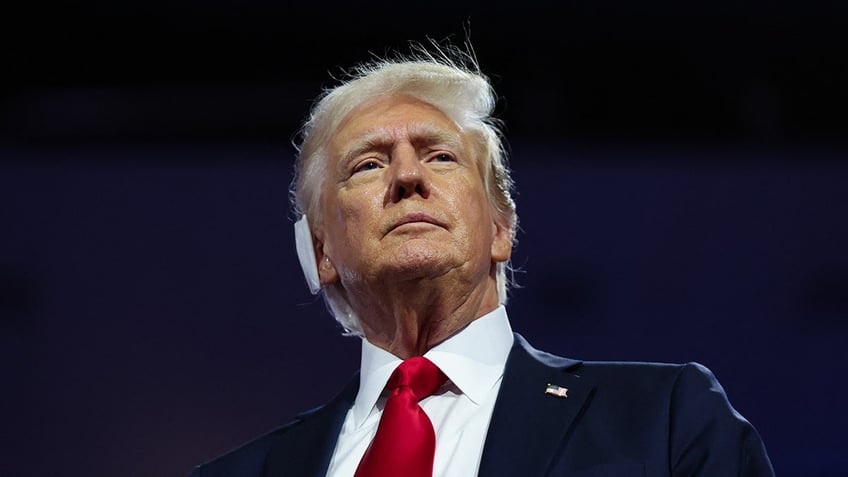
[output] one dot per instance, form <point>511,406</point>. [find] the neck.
<point>409,319</point>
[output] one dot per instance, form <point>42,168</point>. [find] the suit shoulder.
<point>649,378</point>
<point>248,459</point>
<point>645,369</point>
<point>302,442</point>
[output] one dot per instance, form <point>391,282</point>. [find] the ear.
<point>327,272</point>
<point>304,244</point>
<point>501,240</point>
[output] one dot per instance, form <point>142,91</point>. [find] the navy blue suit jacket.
<point>618,419</point>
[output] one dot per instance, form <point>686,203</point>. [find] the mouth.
<point>417,218</point>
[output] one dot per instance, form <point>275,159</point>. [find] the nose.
<point>409,176</point>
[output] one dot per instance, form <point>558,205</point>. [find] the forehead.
<point>391,118</point>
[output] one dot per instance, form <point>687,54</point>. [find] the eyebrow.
<point>420,135</point>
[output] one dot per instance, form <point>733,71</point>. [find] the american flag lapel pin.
<point>557,391</point>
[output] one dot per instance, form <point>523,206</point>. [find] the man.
<point>407,225</point>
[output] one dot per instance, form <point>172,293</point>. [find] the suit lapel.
<point>529,427</point>
<point>304,448</point>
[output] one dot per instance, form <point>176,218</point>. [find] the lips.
<point>417,217</point>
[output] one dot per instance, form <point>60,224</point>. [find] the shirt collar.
<point>473,359</point>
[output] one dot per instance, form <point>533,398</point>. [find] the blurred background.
<point>682,189</point>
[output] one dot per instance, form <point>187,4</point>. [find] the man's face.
<point>403,200</point>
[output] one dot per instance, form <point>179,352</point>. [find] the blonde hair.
<point>445,77</point>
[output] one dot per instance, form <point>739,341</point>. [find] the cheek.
<point>471,207</point>
<point>474,197</point>
<point>356,213</point>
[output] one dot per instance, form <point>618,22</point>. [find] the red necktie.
<point>405,441</point>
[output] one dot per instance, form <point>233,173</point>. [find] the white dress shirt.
<point>460,410</point>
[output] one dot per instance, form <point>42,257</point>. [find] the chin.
<point>419,259</point>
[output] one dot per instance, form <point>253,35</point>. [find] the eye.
<point>368,165</point>
<point>443,157</point>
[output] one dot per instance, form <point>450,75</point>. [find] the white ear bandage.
<point>306,254</point>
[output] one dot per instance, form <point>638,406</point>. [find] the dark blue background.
<point>682,191</point>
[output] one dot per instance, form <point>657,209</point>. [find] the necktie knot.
<point>419,374</point>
